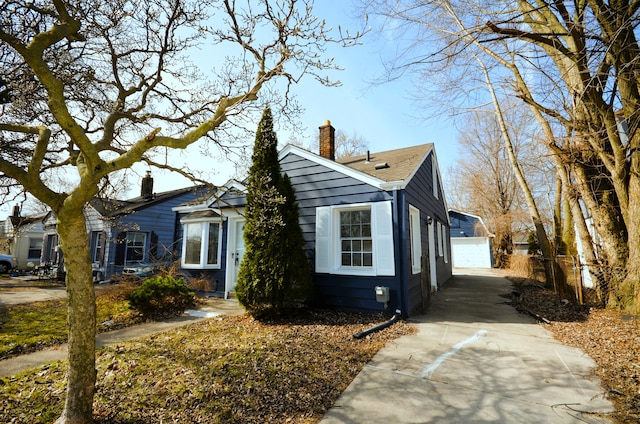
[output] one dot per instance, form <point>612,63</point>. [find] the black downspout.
<point>378,327</point>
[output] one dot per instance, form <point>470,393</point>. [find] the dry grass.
<point>222,370</point>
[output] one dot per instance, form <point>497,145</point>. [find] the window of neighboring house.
<point>355,239</point>
<point>416,240</point>
<point>51,248</point>
<point>35,248</point>
<point>97,246</point>
<point>202,245</point>
<point>136,242</point>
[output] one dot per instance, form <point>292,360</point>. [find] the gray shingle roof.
<point>400,163</point>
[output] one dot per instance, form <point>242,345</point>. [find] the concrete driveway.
<point>474,359</point>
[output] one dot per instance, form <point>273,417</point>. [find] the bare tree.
<point>92,87</point>
<point>483,178</point>
<point>575,65</point>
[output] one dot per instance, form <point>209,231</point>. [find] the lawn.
<point>28,327</point>
<point>220,370</point>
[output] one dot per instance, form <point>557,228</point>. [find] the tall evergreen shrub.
<point>274,270</point>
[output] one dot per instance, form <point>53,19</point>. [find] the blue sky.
<point>384,115</point>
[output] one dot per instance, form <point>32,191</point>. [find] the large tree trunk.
<point>627,295</point>
<point>81,307</point>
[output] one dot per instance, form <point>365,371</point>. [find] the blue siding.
<point>419,193</point>
<point>157,219</point>
<point>317,185</point>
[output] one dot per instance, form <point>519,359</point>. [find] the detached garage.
<point>470,241</point>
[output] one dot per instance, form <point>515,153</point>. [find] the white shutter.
<point>383,238</point>
<point>323,239</point>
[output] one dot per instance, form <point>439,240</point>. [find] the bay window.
<point>202,244</point>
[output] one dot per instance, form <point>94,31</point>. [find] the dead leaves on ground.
<point>226,370</point>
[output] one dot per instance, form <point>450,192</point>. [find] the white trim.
<point>230,273</point>
<point>415,239</point>
<point>432,255</point>
<point>358,175</point>
<point>204,244</point>
<point>328,250</point>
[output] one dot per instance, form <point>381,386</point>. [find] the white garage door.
<point>471,252</point>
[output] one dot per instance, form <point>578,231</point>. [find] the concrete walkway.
<point>474,359</point>
<point>212,307</point>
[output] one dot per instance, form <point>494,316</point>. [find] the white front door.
<point>235,253</point>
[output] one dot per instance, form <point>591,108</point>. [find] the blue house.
<point>373,221</point>
<point>126,235</point>
<point>471,245</point>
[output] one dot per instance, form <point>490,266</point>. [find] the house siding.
<point>156,220</point>
<point>316,186</point>
<point>419,193</point>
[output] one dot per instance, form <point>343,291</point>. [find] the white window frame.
<point>440,231</point>
<point>328,242</point>
<point>98,239</point>
<point>445,233</point>
<point>128,261</point>
<point>416,239</point>
<point>205,225</point>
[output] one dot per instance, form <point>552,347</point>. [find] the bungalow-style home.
<point>126,235</point>
<point>470,241</point>
<point>376,227</point>
<point>21,236</point>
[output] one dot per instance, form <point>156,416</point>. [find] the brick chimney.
<point>328,141</point>
<point>146,190</point>
<point>16,211</point>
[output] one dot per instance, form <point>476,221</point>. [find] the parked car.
<point>7,263</point>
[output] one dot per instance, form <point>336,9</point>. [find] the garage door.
<point>471,252</point>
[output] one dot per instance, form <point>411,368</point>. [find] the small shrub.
<point>161,295</point>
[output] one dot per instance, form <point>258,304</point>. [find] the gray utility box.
<point>382,294</point>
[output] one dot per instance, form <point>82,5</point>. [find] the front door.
<point>236,253</point>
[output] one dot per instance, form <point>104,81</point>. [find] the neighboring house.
<point>377,220</point>
<point>22,237</point>
<point>136,234</point>
<point>470,241</point>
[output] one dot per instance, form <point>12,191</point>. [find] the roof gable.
<point>401,164</point>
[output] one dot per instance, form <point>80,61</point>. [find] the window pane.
<point>355,238</point>
<point>193,243</point>
<point>366,216</point>
<point>367,246</point>
<point>212,247</point>
<point>135,246</point>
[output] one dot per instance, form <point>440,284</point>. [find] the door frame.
<point>230,272</point>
